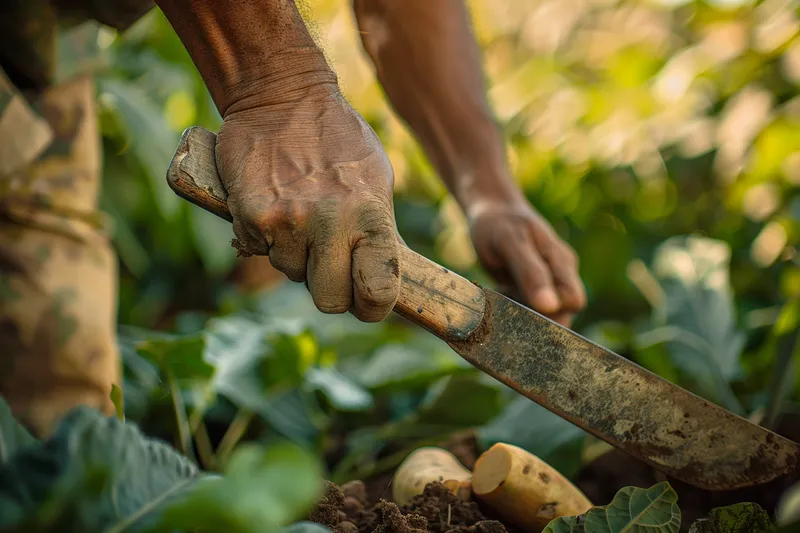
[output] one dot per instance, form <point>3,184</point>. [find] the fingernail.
<point>546,300</point>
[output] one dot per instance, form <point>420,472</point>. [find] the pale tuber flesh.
<point>426,465</point>
<point>523,489</point>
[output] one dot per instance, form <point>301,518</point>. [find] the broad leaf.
<point>740,518</point>
<point>461,401</point>
<point>13,437</point>
<point>530,426</point>
<point>95,474</point>
<point>248,368</point>
<point>262,490</point>
<point>181,355</point>
<point>633,510</point>
<point>696,319</point>
<point>341,392</point>
<point>400,366</point>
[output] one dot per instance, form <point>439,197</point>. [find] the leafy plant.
<point>632,510</point>
<point>101,475</point>
<point>739,518</point>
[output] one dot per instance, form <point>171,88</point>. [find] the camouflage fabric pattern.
<point>58,272</point>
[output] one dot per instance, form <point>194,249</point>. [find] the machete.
<point>605,394</point>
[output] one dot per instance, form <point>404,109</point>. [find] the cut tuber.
<point>523,489</point>
<point>426,465</point>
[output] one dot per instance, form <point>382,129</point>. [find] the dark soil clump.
<point>327,512</point>
<point>345,510</point>
<point>446,513</point>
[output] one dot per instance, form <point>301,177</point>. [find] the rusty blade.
<point>632,409</point>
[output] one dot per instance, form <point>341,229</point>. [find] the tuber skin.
<point>523,489</point>
<point>426,465</point>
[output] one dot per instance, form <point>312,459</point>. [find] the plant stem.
<point>181,421</point>
<point>204,448</point>
<point>233,435</point>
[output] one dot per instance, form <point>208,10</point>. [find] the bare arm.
<point>239,46</point>
<point>429,65</point>
<point>308,182</point>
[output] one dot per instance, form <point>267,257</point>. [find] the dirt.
<point>366,507</point>
<point>346,509</point>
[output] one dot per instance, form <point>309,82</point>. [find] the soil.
<point>346,509</point>
<point>599,480</point>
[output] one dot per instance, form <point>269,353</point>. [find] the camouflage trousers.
<point>58,273</point>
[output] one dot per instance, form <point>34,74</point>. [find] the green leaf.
<point>180,355</point>
<point>400,366</point>
<point>341,392</point>
<point>262,489</point>
<point>654,510</point>
<point>94,474</point>
<point>247,369</point>
<point>461,401</point>
<point>13,437</point>
<point>118,400</point>
<point>696,319</point>
<point>739,518</point>
<point>530,426</point>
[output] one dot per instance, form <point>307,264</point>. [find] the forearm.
<point>429,65</point>
<point>247,47</point>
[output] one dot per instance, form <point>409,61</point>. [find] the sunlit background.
<point>661,139</point>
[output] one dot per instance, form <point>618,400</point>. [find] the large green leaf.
<point>262,490</point>
<point>696,319</point>
<point>342,393</point>
<point>743,517</point>
<point>530,426</point>
<point>258,367</point>
<point>96,474</point>
<point>13,437</point>
<point>633,510</point>
<point>400,366</point>
<point>461,401</point>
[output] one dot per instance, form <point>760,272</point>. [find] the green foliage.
<point>695,319</point>
<point>101,475</point>
<point>658,138</point>
<point>739,518</point>
<point>632,510</point>
<point>260,491</point>
<point>13,437</point>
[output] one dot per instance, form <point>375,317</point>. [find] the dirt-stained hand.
<point>310,185</point>
<point>528,259</point>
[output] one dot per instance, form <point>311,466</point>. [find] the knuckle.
<point>568,256</point>
<point>379,292</point>
<point>330,308</point>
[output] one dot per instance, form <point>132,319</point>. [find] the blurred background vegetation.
<point>661,139</point>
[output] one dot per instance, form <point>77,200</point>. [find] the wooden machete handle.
<point>431,296</point>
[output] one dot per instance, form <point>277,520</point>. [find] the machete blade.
<point>618,401</point>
